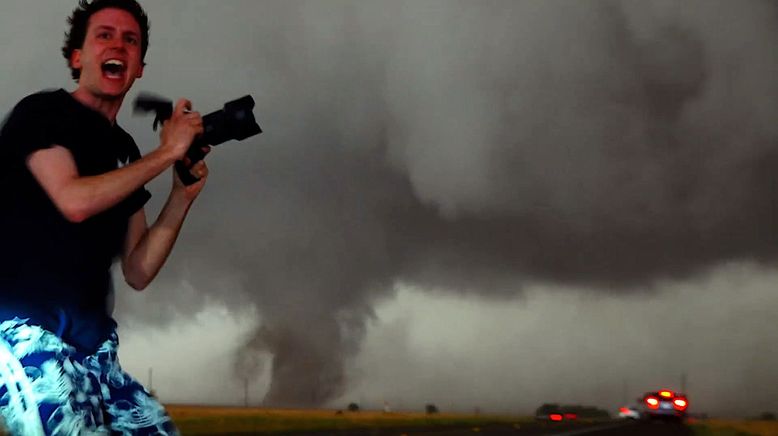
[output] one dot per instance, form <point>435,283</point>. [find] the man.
<point>72,198</point>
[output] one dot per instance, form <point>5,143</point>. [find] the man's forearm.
<point>88,196</point>
<point>148,256</point>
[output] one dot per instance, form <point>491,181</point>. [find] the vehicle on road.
<point>557,413</point>
<point>549,412</point>
<point>629,412</point>
<point>664,404</point>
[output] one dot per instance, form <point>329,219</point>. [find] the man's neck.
<point>107,107</point>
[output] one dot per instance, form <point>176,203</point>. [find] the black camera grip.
<point>194,154</point>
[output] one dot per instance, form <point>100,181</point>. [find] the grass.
<point>196,420</point>
<point>205,420</point>
<point>724,427</point>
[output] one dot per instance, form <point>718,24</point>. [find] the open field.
<point>207,420</point>
<point>197,420</point>
<point>732,427</point>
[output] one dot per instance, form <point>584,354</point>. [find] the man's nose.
<point>118,44</point>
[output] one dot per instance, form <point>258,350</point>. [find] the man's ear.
<point>75,59</point>
<point>140,71</point>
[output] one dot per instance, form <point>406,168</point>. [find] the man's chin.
<point>110,94</point>
<point>114,89</point>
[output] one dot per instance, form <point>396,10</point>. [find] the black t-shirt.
<point>53,271</point>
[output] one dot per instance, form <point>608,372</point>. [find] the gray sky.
<point>492,204</point>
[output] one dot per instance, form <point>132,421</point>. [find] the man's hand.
<point>180,130</point>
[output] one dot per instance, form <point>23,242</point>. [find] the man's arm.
<point>146,249</point>
<point>79,198</point>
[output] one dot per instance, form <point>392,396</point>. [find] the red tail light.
<point>624,410</point>
<point>652,402</point>
<point>555,417</point>
<point>680,404</point>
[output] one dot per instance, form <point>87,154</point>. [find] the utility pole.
<point>246,392</point>
<point>624,392</point>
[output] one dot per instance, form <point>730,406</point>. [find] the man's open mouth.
<point>114,69</point>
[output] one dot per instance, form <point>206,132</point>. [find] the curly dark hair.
<point>79,22</point>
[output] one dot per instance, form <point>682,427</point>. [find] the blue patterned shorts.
<point>47,388</point>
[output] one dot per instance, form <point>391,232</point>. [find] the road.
<point>642,428</point>
<point>615,428</point>
<point>529,429</point>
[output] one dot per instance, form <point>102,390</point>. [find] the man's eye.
<point>131,40</point>
<point>104,35</point>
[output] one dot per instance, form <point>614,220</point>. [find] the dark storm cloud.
<point>462,146</point>
<point>475,147</point>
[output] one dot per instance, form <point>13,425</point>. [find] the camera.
<point>235,121</point>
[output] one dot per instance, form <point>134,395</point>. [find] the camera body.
<point>235,121</point>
